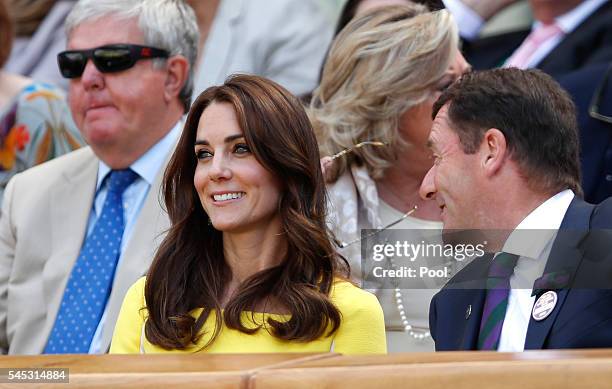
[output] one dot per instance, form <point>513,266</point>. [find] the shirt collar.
<point>541,225</point>
<point>572,19</point>
<point>148,165</point>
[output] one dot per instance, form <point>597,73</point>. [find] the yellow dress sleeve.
<point>128,329</point>
<point>362,330</point>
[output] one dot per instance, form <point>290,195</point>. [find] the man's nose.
<point>92,78</point>
<point>427,191</point>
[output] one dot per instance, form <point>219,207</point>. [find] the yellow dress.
<point>362,329</point>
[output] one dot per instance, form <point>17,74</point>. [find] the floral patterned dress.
<point>35,127</point>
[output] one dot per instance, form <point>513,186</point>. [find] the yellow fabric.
<point>362,329</point>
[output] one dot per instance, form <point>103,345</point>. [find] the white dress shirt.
<point>533,248</point>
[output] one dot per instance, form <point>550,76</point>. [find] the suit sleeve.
<point>295,51</point>
<point>7,255</point>
<point>130,323</point>
<point>362,330</point>
<point>432,318</point>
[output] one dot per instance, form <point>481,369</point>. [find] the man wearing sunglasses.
<point>77,232</point>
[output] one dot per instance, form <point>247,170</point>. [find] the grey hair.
<point>379,66</point>
<point>166,24</point>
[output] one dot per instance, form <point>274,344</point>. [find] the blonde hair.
<point>379,66</point>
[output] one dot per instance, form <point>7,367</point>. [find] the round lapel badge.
<point>544,305</point>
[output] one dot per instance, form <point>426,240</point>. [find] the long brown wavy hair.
<point>189,270</point>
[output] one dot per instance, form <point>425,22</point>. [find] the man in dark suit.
<point>505,143</point>
<point>585,37</point>
<point>591,89</point>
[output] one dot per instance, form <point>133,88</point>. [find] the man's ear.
<point>177,71</point>
<point>493,151</point>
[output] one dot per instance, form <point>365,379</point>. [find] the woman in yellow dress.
<point>248,264</point>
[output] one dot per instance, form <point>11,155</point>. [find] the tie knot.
<point>503,265</point>
<point>545,32</point>
<point>119,180</point>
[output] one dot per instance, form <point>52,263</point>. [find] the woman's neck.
<point>249,252</point>
<point>399,187</point>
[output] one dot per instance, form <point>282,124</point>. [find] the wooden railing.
<point>456,370</point>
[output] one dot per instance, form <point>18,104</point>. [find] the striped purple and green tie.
<point>498,290</point>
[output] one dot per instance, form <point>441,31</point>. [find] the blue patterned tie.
<point>92,276</point>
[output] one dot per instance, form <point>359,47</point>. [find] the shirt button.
<point>608,177</point>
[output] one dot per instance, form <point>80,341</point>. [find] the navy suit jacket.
<point>595,134</point>
<point>589,43</point>
<point>582,317</point>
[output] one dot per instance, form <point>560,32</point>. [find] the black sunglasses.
<point>108,59</point>
<point>598,97</point>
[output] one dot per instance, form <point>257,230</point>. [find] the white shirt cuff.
<point>470,23</point>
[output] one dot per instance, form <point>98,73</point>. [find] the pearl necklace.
<point>416,334</point>
<point>420,333</point>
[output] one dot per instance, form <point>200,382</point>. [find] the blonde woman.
<point>383,73</point>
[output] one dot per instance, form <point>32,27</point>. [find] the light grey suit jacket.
<point>284,40</point>
<point>44,218</point>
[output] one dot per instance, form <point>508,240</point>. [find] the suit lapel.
<point>216,53</point>
<point>566,256</point>
<point>471,283</point>
<point>70,205</point>
<point>472,327</point>
<point>578,43</point>
<point>492,52</point>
